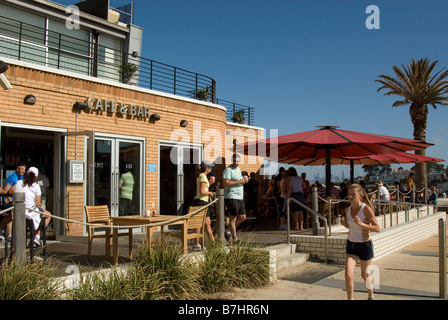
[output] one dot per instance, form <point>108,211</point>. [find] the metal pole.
<point>220,217</point>
<point>413,195</point>
<point>314,218</point>
<point>442,258</point>
<point>19,227</point>
<point>378,196</point>
<point>288,221</point>
<point>329,216</point>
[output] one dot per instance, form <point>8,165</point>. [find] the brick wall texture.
<point>56,94</point>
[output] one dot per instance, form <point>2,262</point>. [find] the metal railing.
<point>233,108</point>
<point>41,46</point>
<point>26,42</point>
<point>382,208</point>
<point>126,13</point>
<point>316,214</point>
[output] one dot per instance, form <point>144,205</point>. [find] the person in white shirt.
<point>33,193</point>
<point>384,193</point>
<point>360,220</point>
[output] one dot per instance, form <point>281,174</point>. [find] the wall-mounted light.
<point>30,99</point>
<point>3,67</point>
<point>184,123</point>
<point>134,54</point>
<point>154,117</point>
<point>3,81</point>
<point>80,106</point>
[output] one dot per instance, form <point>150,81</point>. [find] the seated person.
<point>6,218</point>
<point>32,201</point>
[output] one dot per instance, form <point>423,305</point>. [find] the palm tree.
<point>419,88</point>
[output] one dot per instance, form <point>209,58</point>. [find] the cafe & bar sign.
<point>95,104</point>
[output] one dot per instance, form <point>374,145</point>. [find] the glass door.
<point>178,177</point>
<point>118,176</point>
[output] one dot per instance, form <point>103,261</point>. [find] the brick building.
<point>87,127</point>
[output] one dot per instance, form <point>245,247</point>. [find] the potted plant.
<point>202,94</point>
<point>127,71</point>
<point>238,117</point>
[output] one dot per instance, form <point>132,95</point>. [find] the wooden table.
<point>142,220</point>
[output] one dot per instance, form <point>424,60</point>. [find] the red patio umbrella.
<point>328,143</point>
<point>392,158</point>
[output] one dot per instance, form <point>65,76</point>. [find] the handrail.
<point>336,201</point>
<point>155,224</point>
<point>398,204</point>
<point>288,233</point>
<point>381,203</point>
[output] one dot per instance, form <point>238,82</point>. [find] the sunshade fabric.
<point>340,143</point>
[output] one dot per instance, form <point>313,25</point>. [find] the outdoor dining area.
<point>109,229</point>
<point>325,146</point>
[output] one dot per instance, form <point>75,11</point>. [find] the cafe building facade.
<point>69,111</point>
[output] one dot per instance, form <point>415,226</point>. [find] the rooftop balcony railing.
<point>238,113</point>
<point>25,42</point>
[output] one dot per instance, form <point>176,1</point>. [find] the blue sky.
<point>302,64</point>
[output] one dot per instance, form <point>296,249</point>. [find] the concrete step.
<point>294,259</point>
<point>283,249</point>
<point>285,255</point>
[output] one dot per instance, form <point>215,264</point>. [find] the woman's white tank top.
<point>356,233</point>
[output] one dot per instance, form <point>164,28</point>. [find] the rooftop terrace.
<point>84,55</point>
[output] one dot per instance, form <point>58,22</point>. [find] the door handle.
<point>181,188</point>
<point>117,182</point>
<point>114,185</point>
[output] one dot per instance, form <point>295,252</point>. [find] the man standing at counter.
<point>234,197</point>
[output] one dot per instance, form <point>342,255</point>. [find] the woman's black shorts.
<point>363,250</point>
<point>201,203</point>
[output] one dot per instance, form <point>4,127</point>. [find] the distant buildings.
<point>400,175</point>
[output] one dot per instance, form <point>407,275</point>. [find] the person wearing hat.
<point>384,193</point>
<point>202,198</point>
<point>32,192</point>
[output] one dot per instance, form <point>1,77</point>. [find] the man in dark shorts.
<point>234,197</point>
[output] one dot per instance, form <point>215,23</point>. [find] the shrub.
<point>28,281</point>
<point>161,272</point>
<point>164,263</point>
<point>240,266</point>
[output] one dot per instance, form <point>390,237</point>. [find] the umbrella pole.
<point>352,171</point>
<point>328,171</point>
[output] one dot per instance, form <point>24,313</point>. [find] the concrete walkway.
<point>409,274</point>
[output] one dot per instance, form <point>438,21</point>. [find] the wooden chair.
<point>100,215</point>
<point>194,227</point>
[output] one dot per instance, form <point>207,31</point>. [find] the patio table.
<point>142,220</point>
